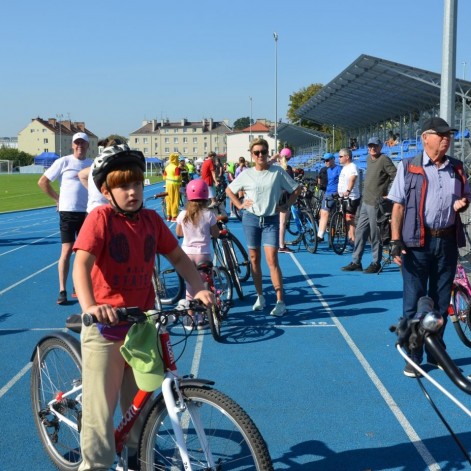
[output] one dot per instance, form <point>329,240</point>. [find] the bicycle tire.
<point>169,286</point>
<point>223,286</point>
<point>310,231</point>
<point>214,316</point>
<point>164,208</point>
<point>291,226</point>
<point>233,438</point>
<point>461,303</point>
<point>237,211</point>
<point>338,233</point>
<point>241,258</point>
<point>56,368</point>
<point>232,269</point>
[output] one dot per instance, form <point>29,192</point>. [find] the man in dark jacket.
<point>429,192</point>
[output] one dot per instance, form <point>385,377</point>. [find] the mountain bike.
<point>460,305</point>
<point>302,225</point>
<point>189,424</point>
<point>218,281</point>
<point>424,330</point>
<point>230,253</point>
<point>338,229</point>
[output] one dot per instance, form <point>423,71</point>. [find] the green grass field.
<point>21,191</point>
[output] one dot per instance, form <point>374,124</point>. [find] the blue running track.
<point>324,383</point>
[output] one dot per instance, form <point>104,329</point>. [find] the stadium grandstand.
<point>377,97</point>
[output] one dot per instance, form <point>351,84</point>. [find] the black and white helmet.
<point>115,157</point>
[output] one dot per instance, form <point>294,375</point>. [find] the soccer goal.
<point>6,166</point>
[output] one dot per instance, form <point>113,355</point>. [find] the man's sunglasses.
<point>258,152</point>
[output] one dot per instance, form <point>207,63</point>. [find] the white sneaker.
<point>279,309</point>
<point>259,303</point>
<point>232,215</point>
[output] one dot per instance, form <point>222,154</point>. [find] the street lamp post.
<point>250,137</point>
<point>275,36</point>
<point>59,118</point>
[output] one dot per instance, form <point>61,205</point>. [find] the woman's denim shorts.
<point>261,230</point>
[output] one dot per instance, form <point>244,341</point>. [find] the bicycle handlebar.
<point>423,329</point>
<point>134,315</point>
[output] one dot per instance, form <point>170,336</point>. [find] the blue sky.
<point>114,64</point>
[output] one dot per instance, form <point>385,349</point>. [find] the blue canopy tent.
<point>153,164</point>
<point>46,159</point>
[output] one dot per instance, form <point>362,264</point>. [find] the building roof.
<point>208,125</point>
<point>298,135</point>
<point>256,127</point>
<point>64,127</point>
<point>371,90</point>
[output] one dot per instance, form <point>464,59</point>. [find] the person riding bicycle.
<point>114,260</point>
<point>197,224</point>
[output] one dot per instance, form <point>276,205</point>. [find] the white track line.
<point>3,291</point>
<point>16,378</point>
<point>401,418</point>
<point>26,245</point>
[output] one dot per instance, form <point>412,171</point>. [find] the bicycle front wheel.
<point>338,233</point>
<point>232,268</point>
<point>57,369</point>
<point>461,308</point>
<point>241,258</point>
<point>168,284</point>
<point>310,231</point>
<point>233,441</point>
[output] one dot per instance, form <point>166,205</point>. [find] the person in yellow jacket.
<point>173,181</point>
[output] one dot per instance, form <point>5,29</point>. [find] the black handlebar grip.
<point>88,319</point>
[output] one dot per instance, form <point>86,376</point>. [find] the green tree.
<point>242,123</point>
<point>297,99</point>
<point>19,158</point>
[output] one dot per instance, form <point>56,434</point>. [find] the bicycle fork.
<point>169,386</point>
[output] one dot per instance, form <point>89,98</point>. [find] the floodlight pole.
<point>250,137</point>
<point>59,118</point>
<point>275,36</point>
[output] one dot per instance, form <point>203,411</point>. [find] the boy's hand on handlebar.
<point>104,313</point>
<point>205,296</point>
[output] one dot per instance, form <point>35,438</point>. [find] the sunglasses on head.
<point>260,152</point>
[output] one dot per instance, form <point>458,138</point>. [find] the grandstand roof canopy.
<point>372,90</point>
<point>297,135</point>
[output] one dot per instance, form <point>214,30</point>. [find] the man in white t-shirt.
<point>349,186</point>
<point>71,201</point>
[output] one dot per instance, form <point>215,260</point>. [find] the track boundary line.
<point>394,408</point>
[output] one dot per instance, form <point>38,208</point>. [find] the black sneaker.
<point>62,299</point>
<point>373,268</point>
<point>320,239</point>
<point>411,372</point>
<point>434,363</point>
<point>353,267</point>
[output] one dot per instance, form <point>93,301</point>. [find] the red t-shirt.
<point>125,255</point>
<point>206,171</point>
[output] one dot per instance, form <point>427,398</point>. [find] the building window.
<point>167,150</point>
<point>185,140</point>
<point>156,146</point>
<point>146,150</point>
<point>31,130</point>
<point>175,149</point>
<point>216,149</point>
<point>185,150</point>
<point>185,130</point>
<point>195,140</point>
<point>195,150</point>
<point>175,140</point>
<point>167,140</point>
<point>46,150</point>
<point>145,140</point>
<point>166,131</point>
<point>194,129</point>
<point>175,130</point>
<point>136,140</point>
<point>45,140</point>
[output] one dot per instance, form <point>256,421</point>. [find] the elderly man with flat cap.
<point>429,192</point>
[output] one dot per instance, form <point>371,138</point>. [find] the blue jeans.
<point>429,271</point>
<point>261,230</point>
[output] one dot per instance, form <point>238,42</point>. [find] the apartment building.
<point>192,139</point>
<point>51,135</point>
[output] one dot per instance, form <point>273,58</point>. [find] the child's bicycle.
<point>189,425</point>
<point>218,281</point>
<point>460,305</point>
<point>424,330</point>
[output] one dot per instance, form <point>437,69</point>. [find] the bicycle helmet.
<point>115,157</point>
<point>197,190</point>
<point>286,153</point>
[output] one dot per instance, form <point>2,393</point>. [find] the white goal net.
<point>6,166</point>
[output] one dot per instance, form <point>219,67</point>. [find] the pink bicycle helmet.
<point>197,190</point>
<point>286,153</point>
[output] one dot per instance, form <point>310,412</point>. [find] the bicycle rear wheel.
<point>234,442</point>
<point>237,211</point>
<point>241,258</point>
<point>461,303</point>
<point>338,233</point>
<point>231,264</point>
<point>291,226</point>
<point>310,231</point>
<point>223,286</point>
<point>56,369</point>
<point>168,284</point>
